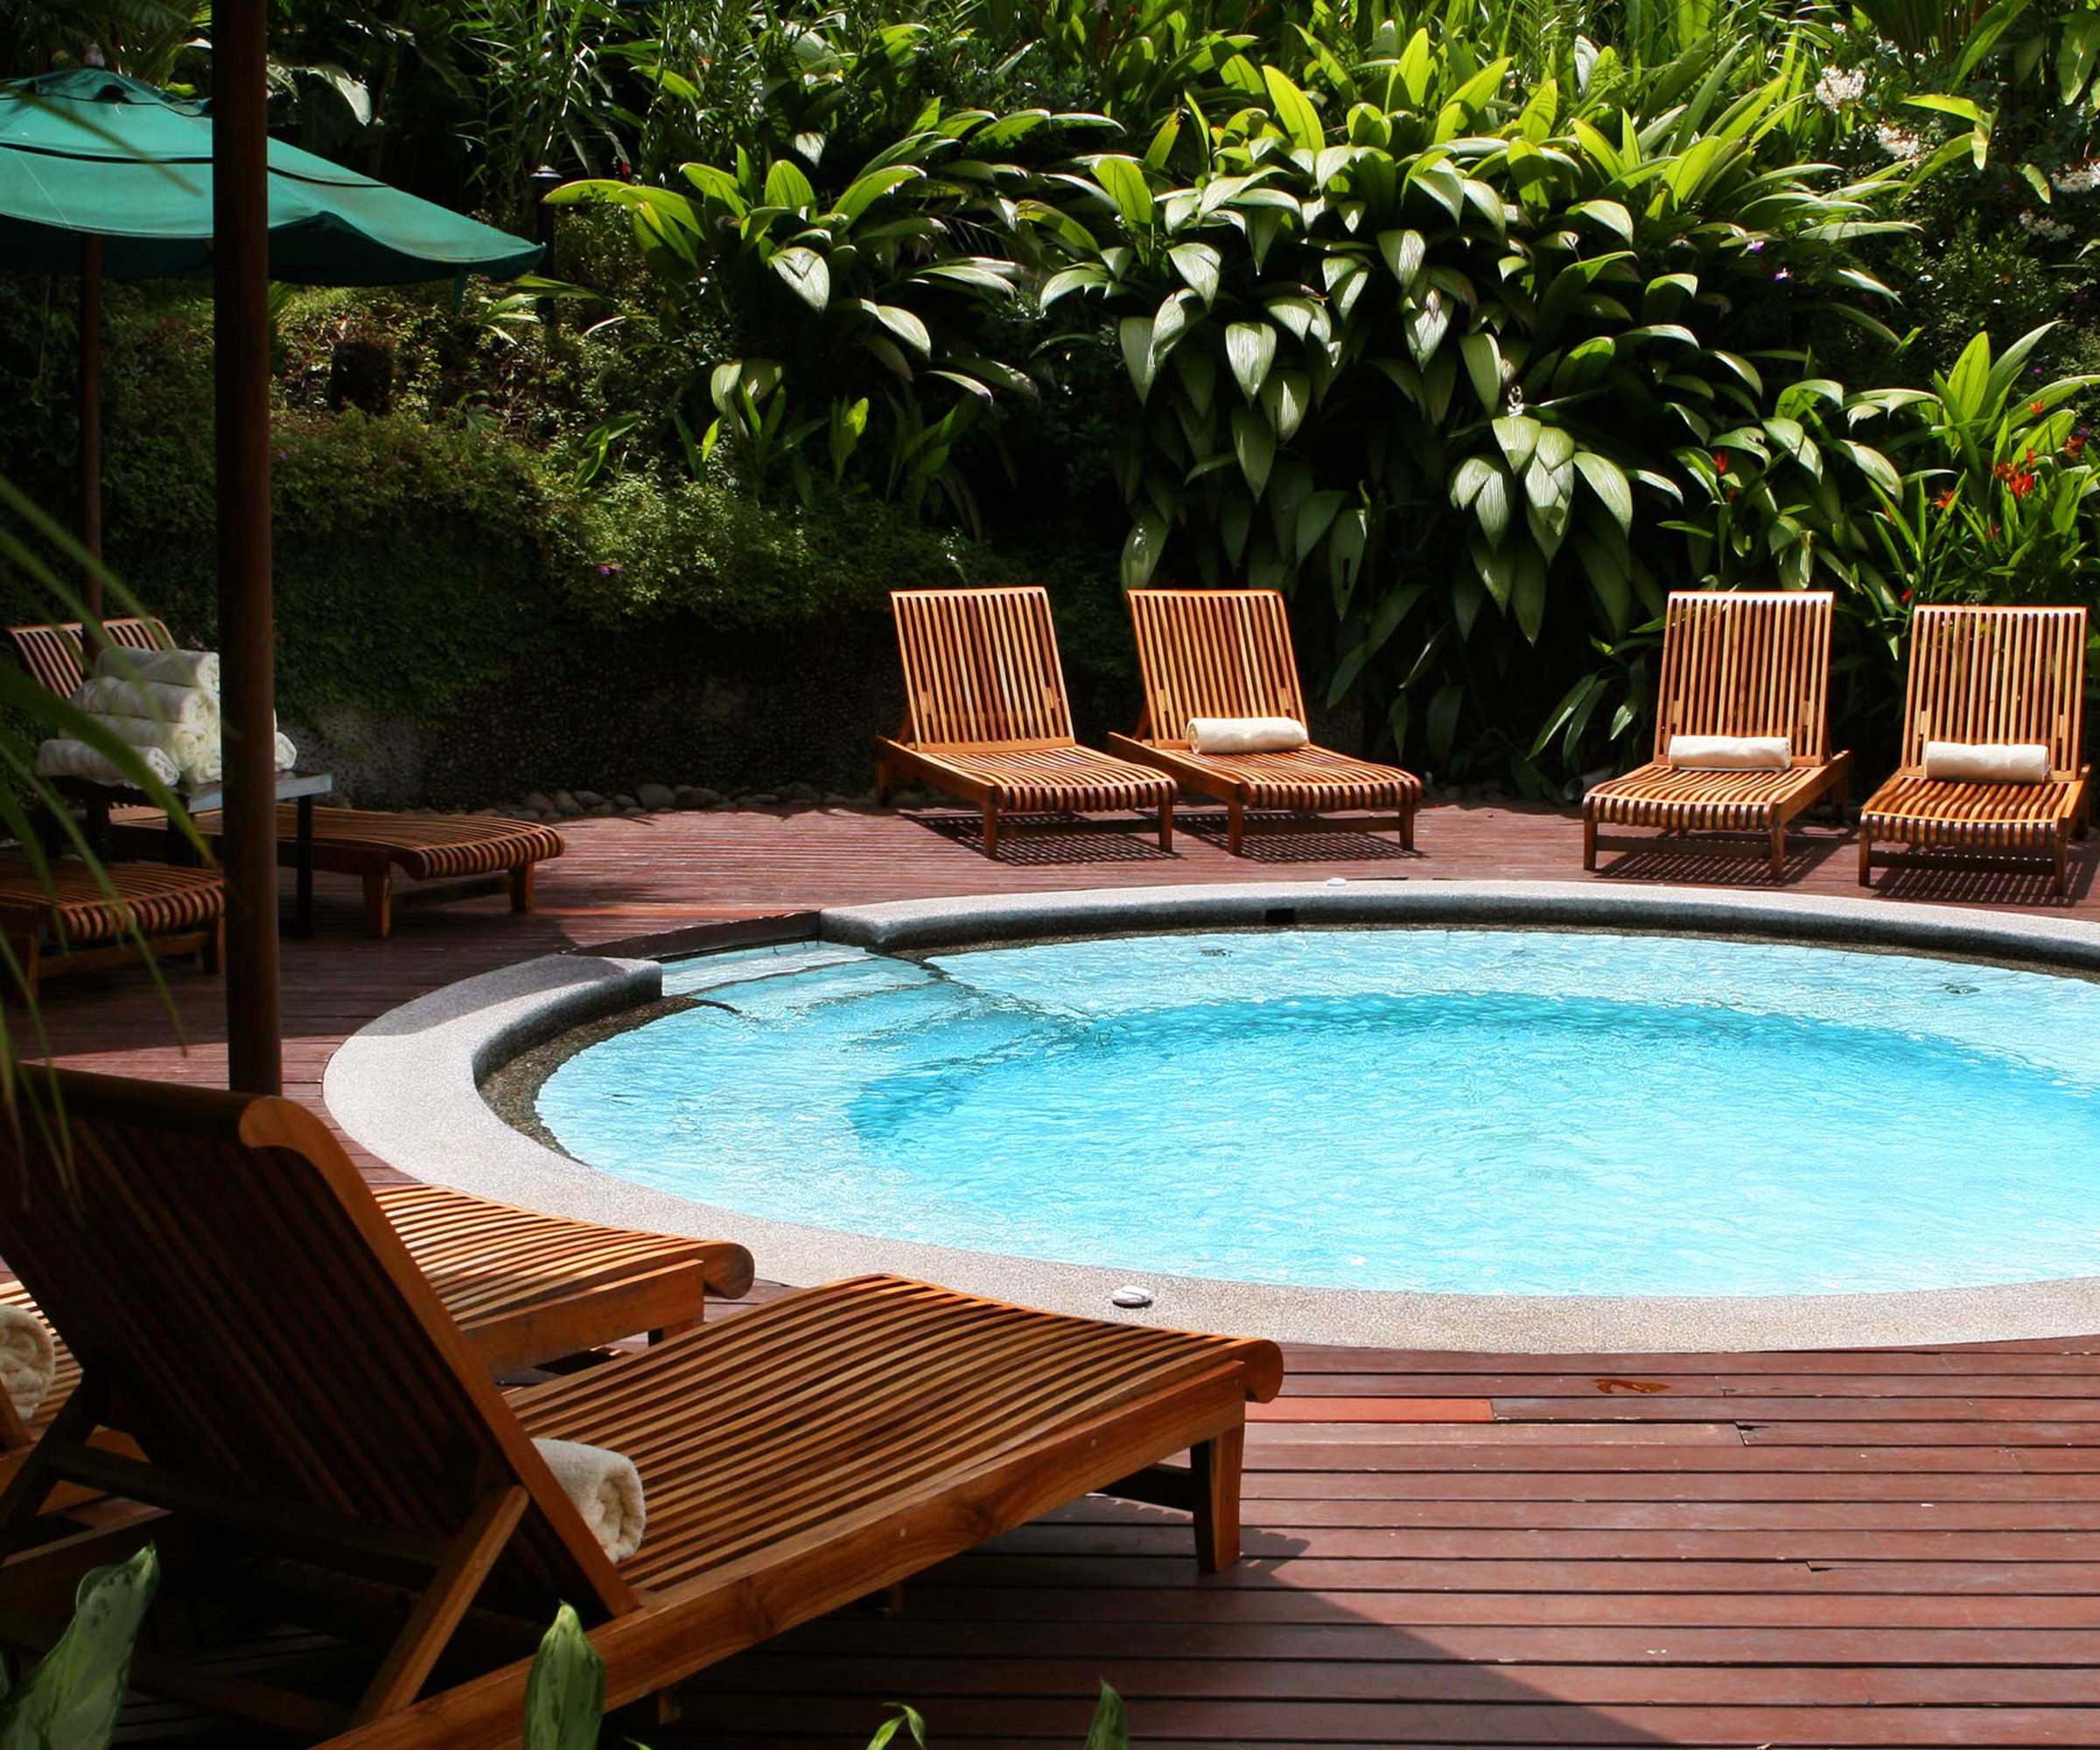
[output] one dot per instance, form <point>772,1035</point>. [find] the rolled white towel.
<point>605,1488</point>
<point>180,708</point>
<point>61,757</point>
<point>1988,762</point>
<point>287,756</point>
<point>1246,734</point>
<point>197,669</point>
<point>1729,753</point>
<point>29,1361</point>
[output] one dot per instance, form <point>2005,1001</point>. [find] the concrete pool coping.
<point>409,1087</point>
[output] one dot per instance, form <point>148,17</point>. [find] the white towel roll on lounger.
<point>197,668</point>
<point>287,756</point>
<point>1988,762</point>
<point>605,1488</point>
<point>29,1361</point>
<point>1246,734</point>
<point>180,708</point>
<point>1729,753</point>
<point>63,759</point>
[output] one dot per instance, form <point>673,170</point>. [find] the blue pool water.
<point>1472,1111</point>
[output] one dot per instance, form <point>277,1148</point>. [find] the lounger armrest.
<point>728,1267</point>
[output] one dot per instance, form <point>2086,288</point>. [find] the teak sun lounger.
<point>1734,663</point>
<point>1227,653</point>
<point>986,718</point>
<point>1987,675</point>
<point>374,847</point>
<point>796,1458</point>
<point>68,920</point>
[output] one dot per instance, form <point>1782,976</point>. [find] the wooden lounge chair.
<point>1227,653</point>
<point>376,848</point>
<point>798,1456</point>
<point>522,1286</point>
<point>67,920</point>
<point>986,717</point>
<point>1984,675</point>
<point>1736,663</point>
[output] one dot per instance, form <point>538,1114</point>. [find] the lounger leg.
<point>1407,821</point>
<point>379,904</point>
<point>1779,850</point>
<point>1167,824</point>
<point>1216,1465</point>
<point>2061,876</point>
<point>1589,840</point>
<point>1866,858</point>
<point>886,781</point>
<point>520,888</point>
<point>675,1330</point>
<point>1236,827</point>
<point>992,829</point>
<point>212,955</point>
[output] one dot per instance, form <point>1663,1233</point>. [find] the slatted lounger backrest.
<point>1746,663</point>
<point>52,653</point>
<point>981,669</point>
<point>224,1275</point>
<point>1214,653</point>
<point>1997,674</point>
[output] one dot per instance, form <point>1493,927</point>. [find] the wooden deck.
<point>1858,1548</point>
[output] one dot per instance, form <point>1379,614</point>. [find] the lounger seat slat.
<point>1228,654</point>
<point>986,717</point>
<point>1046,779</point>
<point>71,902</point>
<point>1735,662</point>
<point>69,916</point>
<point>935,1379</point>
<point>422,847</point>
<point>811,1451</point>
<point>373,846</point>
<point>1987,675</point>
<point>1658,794</point>
<point>513,1278</point>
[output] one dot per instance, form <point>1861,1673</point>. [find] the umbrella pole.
<point>91,421</point>
<point>240,338</point>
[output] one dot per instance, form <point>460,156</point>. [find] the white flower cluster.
<point>2076,178</point>
<point>1836,89</point>
<point>2049,230</point>
<point>1900,142</point>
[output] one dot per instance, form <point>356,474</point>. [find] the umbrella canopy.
<point>87,153</point>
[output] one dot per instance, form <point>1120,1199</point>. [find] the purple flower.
<point>283,455</point>
<point>604,570</point>
<point>1779,274</point>
<point>1755,246</point>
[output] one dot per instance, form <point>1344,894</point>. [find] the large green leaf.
<point>1254,445</point>
<point>1124,180</point>
<point>807,272</point>
<point>1250,350</point>
<point>1294,111</point>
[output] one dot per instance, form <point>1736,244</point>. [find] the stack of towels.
<point>165,704</point>
<point>29,1361</point>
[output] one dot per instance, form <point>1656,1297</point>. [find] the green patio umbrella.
<point>101,174</point>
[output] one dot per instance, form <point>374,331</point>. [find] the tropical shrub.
<point>1443,318</point>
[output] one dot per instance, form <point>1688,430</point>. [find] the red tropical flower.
<point>1720,461</point>
<point>1944,499</point>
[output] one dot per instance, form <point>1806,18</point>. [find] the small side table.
<point>293,786</point>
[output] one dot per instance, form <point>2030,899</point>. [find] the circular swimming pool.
<point>1471,1111</point>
